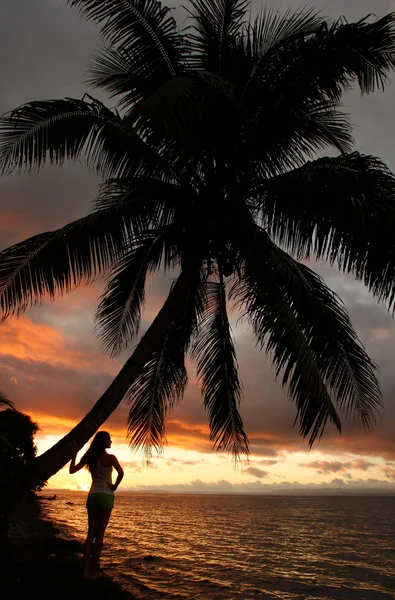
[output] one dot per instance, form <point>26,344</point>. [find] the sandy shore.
<point>41,565</point>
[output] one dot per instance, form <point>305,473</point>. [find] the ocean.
<point>221,547</point>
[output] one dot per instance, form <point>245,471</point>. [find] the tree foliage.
<point>17,449</point>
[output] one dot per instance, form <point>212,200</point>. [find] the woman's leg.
<point>101,525</point>
<point>89,543</point>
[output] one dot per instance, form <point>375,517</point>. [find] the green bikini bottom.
<point>99,500</point>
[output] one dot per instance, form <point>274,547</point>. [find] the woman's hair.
<point>96,449</point>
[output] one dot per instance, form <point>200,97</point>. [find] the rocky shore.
<point>42,565</point>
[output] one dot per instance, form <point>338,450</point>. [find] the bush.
<point>17,447</point>
<point>17,454</point>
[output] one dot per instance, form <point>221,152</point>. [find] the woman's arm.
<point>120,472</point>
<point>73,468</point>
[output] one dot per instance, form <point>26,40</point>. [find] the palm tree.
<point>5,402</point>
<point>210,167</point>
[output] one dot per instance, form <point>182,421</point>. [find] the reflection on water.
<point>245,547</point>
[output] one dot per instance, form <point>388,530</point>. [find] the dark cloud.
<point>361,464</point>
<point>389,472</point>
<point>133,466</point>
<point>325,466</point>
<point>262,450</point>
<point>179,462</point>
<point>45,47</point>
<point>36,203</point>
<point>338,482</point>
<point>40,387</point>
<point>255,472</point>
<point>268,463</point>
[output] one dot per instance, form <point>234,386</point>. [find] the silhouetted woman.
<point>100,500</point>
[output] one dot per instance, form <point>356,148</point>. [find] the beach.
<point>42,564</point>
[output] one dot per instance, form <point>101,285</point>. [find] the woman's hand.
<point>73,468</point>
<point>112,486</point>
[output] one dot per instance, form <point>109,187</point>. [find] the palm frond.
<point>338,209</point>
<point>217,25</point>
<point>59,130</point>
<point>307,329</point>
<point>119,312</point>
<point>114,70</point>
<point>270,28</point>
<point>145,28</point>
<point>367,55</point>
<point>163,378</point>
<point>280,334</point>
<point>291,135</point>
<point>55,262</point>
<point>160,204</point>
<point>5,402</point>
<point>321,59</point>
<point>159,386</point>
<point>346,368</point>
<point>159,198</point>
<point>314,68</point>
<point>217,368</point>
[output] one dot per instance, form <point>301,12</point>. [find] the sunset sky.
<point>51,363</point>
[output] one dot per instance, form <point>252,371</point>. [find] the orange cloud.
<point>51,424</point>
<point>27,340</point>
<point>381,334</point>
<point>388,472</point>
<point>378,443</point>
<point>59,426</point>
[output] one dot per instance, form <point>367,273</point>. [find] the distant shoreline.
<point>325,493</point>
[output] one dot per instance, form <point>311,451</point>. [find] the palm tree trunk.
<point>55,458</point>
